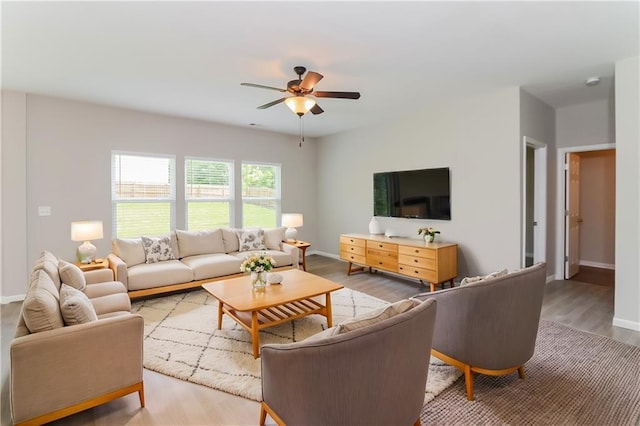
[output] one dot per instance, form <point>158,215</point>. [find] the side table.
<point>302,245</point>
<point>96,264</point>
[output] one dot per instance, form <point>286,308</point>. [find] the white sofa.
<point>187,259</point>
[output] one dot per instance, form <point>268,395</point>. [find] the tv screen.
<point>417,194</point>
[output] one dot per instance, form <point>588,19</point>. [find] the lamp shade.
<point>86,230</point>
<point>292,220</point>
<point>300,104</point>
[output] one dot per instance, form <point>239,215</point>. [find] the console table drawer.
<point>420,262</point>
<point>377,245</point>
<point>353,258</point>
<point>427,275</point>
<point>382,262</point>
<point>352,249</point>
<point>358,242</point>
<point>417,252</point>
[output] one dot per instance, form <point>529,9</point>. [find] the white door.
<point>572,215</point>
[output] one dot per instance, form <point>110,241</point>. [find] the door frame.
<point>539,200</point>
<point>560,201</point>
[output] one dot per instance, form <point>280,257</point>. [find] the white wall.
<point>627,104</point>
<point>478,139</point>
<point>585,124</point>
<point>68,167</point>
<point>597,208</point>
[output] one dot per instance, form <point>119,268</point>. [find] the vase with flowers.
<point>429,234</point>
<point>258,265</point>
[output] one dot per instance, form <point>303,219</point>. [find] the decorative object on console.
<point>86,231</point>
<point>258,265</point>
<point>429,234</point>
<point>374,227</point>
<point>291,221</point>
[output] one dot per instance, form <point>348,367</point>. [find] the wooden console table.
<point>435,263</point>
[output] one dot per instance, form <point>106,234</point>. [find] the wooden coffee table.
<point>273,305</point>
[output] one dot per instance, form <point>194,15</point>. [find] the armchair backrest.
<point>491,324</point>
<point>373,375</point>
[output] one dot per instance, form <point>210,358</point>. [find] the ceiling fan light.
<point>299,104</point>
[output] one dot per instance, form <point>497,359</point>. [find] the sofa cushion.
<point>75,306</point>
<point>377,315</point>
<point>48,262</point>
<point>145,275</point>
<point>251,240</point>
<point>230,240</point>
<point>280,258</point>
<point>71,275</point>
<point>130,251</point>
<point>273,237</point>
<point>41,306</point>
<point>480,278</point>
<point>104,289</point>
<point>118,302</point>
<point>157,249</point>
<point>193,243</point>
<point>212,265</point>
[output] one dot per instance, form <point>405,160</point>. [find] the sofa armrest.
<point>55,369</point>
<point>98,276</point>
<point>119,269</point>
<point>292,251</point>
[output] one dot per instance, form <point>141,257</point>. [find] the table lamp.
<point>85,231</point>
<point>291,220</point>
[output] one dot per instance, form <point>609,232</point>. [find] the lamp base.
<point>291,234</point>
<point>86,252</point>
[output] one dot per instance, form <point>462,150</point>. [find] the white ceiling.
<point>189,58</point>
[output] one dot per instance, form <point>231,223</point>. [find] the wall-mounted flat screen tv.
<point>416,194</point>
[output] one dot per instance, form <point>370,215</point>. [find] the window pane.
<point>138,177</point>
<point>260,181</point>
<point>204,215</point>
<point>207,179</point>
<point>259,214</point>
<point>136,219</point>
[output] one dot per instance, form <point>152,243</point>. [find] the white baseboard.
<point>325,254</point>
<point>550,278</point>
<point>631,325</point>
<point>597,264</point>
<point>10,299</point>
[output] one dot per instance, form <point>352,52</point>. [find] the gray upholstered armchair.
<point>375,375</point>
<point>489,327</point>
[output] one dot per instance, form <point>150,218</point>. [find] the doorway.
<point>586,210</point>
<point>534,208</point>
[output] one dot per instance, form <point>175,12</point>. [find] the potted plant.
<point>429,233</point>
<point>258,264</point>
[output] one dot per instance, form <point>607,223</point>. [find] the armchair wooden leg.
<point>521,371</point>
<point>417,423</point>
<point>141,394</point>
<point>263,414</point>
<point>468,380</point>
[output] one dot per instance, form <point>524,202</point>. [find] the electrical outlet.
<point>44,211</point>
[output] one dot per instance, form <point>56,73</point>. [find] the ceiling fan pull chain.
<point>301,132</point>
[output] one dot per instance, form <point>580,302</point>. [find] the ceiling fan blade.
<point>311,79</point>
<point>341,95</point>
<point>316,110</point>
<point>270,104</point>
<point>260,86</point>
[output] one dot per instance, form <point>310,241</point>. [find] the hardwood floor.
<point>578,304</point>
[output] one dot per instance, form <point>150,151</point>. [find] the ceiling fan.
<point>300,103</point>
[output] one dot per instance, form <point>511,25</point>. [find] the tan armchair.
<point>489,327</point>
<point>375,375</point>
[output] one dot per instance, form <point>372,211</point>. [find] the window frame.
<point>278,191</point>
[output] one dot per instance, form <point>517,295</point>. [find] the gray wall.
<point>68,148</point>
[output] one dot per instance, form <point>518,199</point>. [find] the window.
<point>143,194</point>
<point>208,193</point>
<point>260,195</point>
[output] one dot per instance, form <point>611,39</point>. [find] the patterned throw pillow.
<point>251,240</point>
<point>157,249</point>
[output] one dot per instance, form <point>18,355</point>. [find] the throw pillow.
<point>251,240</point>
<point>376,315</point>
<point>157,249</point>
<point>480,278</point>
<point>273,238</point>
<point>71,275</point>
<point>193,243</point>
<point>75,306</point>
<point>41,309</point>
<point>230,240</point>
<point>130,251</point>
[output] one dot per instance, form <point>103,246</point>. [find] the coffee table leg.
<point>328,310</point>
<point>254,333</point>
<point>219,315</point>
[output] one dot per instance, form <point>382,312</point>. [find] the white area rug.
<point>182,340</point>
